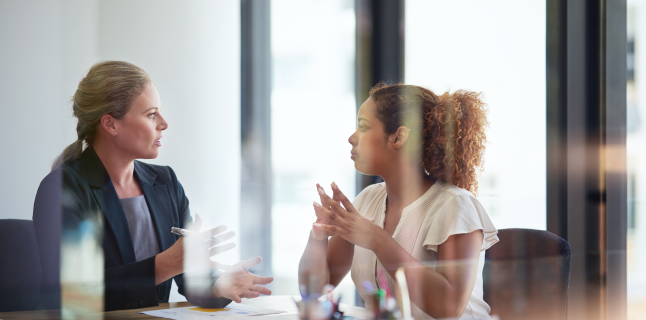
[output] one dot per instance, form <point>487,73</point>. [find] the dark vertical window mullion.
<point>616,229</point>
<point>255,124</point>
<point>556,180</point>
<point>586,149</point>
<point>379,56</point>
<point>379,52</point>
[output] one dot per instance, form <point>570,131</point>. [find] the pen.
<point>180,231</point>
<point>184,232</point>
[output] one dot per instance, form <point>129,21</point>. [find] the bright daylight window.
<point>313,114</point>
<point>497,48</point>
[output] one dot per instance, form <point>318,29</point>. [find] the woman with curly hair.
<point>424,217</point>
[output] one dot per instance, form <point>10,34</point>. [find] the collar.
<point>96,175</point>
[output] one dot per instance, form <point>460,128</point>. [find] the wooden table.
<point>284,303</point>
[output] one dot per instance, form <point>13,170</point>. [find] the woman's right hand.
<point>193,252</point>
<point>324,213</point>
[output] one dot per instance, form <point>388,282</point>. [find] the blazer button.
<point>127,306</point>
<point>134,304</point>
<point>142,303</point>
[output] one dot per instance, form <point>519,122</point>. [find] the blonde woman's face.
<point>368,152</point>
<point>140,130</point>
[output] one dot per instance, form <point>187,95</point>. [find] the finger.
<point>321,192</point>
<point>219,249</point>
<point>333,217</point>
<point>235,298</point>
<point>337,209</point>
<point>213,232</point>
<point>221,238</point>
<point>262,280</point>
<point>251,262</point>
<point>261,290</point>
<point>334,212</point>
<point>317,210</point>
<point>250,295</point>
<point>328,228</point>
<point>322,213</point>
<point>339,196</point>
<point>197,224</point>
<point>335,195</point>
<point>328,202</point>
<point>324,197</point>
<point>219,266</point>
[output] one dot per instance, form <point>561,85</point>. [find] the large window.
<point>497,48</point>
<point>313,114</point>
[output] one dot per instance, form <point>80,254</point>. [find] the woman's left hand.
<point>350,224</point>
<point>238,282</point>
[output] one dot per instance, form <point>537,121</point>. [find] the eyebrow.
<point>151,109</point>
<point>364,119</point>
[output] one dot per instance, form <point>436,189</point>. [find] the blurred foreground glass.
<point>313,114</point>
<point>497,48</point>
<point>636,155</point>
<point>82,286</point>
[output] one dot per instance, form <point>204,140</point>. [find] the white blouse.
<point>442,211</point>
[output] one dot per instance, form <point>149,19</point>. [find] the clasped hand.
<point>337,216</point>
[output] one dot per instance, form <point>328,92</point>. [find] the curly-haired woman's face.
<point>369,152</point>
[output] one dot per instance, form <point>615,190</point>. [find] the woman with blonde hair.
<point>424,217</point>
<point>119,121</point>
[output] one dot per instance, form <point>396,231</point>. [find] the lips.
<point>353,154</point>
<point>158,142</point>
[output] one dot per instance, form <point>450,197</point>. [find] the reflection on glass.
<point>498,48</point>
<point>636,156</point>
<point>313,114</point>
<point>82,267</point>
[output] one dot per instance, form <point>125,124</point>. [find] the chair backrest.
<point>20,269</point>
<point>526,275</point>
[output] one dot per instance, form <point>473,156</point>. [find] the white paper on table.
<point>282,316</point>
<point>236,311</point>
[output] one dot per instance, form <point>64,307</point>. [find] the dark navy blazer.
<point>81,190</point>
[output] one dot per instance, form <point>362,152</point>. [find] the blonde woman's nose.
<point>163,125</point>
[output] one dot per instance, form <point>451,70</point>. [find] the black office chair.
<point>20,269</point>
<point>526,275</point>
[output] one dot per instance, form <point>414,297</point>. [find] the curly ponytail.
<point>452,128</point>
<point>108,88</point>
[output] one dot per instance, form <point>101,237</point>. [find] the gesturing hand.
<point>322,216</point>
<point>200,247</point>
<point>238,282</point>
<point>193,252</point>
<point>346,221</point>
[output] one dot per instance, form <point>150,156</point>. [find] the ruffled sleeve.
<point>460,214</point>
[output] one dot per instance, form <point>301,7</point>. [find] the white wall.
<point>31,100</point>
<point>192,52</point>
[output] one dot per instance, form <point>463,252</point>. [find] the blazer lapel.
<point>106,196</point>
<point>159,204</point>
<point>113,211</point>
